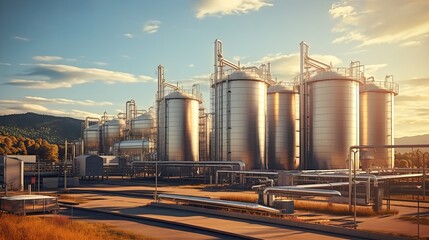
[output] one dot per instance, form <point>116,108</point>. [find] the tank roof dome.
<point>328,75</point>
<point>244,74</point>
<point>144,116</point>
<point>280,88</point>
<point>180,95</point>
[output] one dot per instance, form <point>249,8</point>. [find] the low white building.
<point>12,172</point>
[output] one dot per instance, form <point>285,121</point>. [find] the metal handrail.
<point>381,85</point>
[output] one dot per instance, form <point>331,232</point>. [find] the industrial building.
<point>329,127</point>
<point>308,123</point>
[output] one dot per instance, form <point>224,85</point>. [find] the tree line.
<point>11,145</point>
<point>413,159</point>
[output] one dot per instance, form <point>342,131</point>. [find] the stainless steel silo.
<point>143,126</point>
<point>112,131</point>
<point>376,120</point>
<point>333,119</point>
<point>135,150</point>
<point>178,127</point>
<point>282,127</point>
<point>91,138</point>
<point>240,111</point>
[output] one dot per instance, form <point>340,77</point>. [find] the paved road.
<point>387,224</point>
<point>145,227</point>
<point>136,206</point>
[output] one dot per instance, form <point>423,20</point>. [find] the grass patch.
<point>339,209</point>
<point>71,198</point>
<point>318,207</point>
<point>196,186</point>
<point>410,197</point>
<point>240,198</point>
<point>423,219</point>
<point>59,227</point>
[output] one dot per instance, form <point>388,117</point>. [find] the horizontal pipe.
<point>302,191</point>
<point>375,178</point>
<point>411,175</point>
<point>240,164</point>
<point>391,146</point>
<point>189,165</point>
<point>217,202</point>
<point>261,177</point>
<point>249,172</point>
<point>320,185</point>
<point>325,171</point>
<point>243,172</point>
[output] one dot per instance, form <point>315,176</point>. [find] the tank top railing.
<point>353,73</point>
<point>197,95</point>
<point>384,85</point>
<point>258,73</point>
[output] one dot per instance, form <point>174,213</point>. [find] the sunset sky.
<point>81,58</point>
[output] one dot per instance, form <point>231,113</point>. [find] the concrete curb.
<point>216,231</point>
<point>289,223</point>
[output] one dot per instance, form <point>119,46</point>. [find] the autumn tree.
<point>24,146</point>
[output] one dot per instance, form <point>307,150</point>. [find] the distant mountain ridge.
<point>56,129</point>
<point>419,139</point>
<point>51,128</point>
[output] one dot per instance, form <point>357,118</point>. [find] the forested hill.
<point>32,125</point>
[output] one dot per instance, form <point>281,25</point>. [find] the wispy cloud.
<point>286,66</point>
<point>5,64</point>
<point>81,114</point>
<point>415,82</point>
<point>206,8</point>
<point>202,79</point>
<point>238,58</point>
<point>39,108</point>
<point>50,76</point>
<point>24,39</point>
<point>47,58</point>
<point>129,35</point>
<point>48,106</point>
<point>405,98</point>
<point>66,101</point>
<point>151,26</point>
<point>100,63</point>
<point>410,43</point>
<point>23,107</point>
<point>411,107</point>
<point>145,78</point>
<point>372,68</point>
<point>370,22</point>
<point>191,65</point>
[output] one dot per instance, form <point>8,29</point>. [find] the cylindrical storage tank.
<point>112,131</point>
<point>376,121</point>
<point>333,119</point>
<point>282,127</point>
<point>178,127</point>
<point>240,111</point>
<point>91,138</point>
<point>143,126</point>
<point>138,150</point>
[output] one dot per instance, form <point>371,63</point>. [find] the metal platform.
<point>23,204</point>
